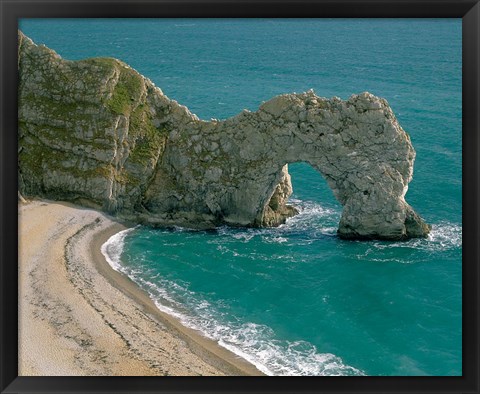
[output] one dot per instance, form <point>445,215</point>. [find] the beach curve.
<point>78,316</point>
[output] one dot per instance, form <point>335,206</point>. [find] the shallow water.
<point>296,299</point>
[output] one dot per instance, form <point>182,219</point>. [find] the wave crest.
<point>112,249</point>
<point>256,343</point>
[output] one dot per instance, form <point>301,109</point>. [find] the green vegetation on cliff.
<point>98,131</point>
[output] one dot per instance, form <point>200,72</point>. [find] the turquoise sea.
<point>296,300</point>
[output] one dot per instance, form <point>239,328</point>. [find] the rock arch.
<point>98,133</point>
<point>237,168</point>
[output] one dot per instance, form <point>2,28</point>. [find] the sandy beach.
<point>78,316</point>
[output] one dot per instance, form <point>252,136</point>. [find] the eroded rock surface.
<point>97,133</point>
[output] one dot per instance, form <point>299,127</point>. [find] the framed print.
<point>240,197</point>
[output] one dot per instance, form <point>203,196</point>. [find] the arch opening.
<point>299,187</point>
<point>308,184</point>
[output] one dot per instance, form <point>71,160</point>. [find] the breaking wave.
<point>258,343</point>
<point>113,248</point>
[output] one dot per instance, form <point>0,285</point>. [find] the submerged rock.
<point>97,133</point>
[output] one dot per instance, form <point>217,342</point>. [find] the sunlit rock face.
<point>97,133</point>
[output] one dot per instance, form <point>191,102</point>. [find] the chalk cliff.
<point>98,133</point>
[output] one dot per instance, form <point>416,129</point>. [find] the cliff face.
<point>97,133</point>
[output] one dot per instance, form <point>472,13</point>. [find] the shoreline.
<point>204,347</point>
<point>95,320</point>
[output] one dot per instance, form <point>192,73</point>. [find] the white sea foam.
<point>313,221</point>
<point>113,248</point>
<point>278,240</point>
<point>446,235</point>
<point>255,343</point>
<point>258,343</point>
<point>443,237</point>
<point>244,236</point>
<point>314,217</point>
<point>317,221</point>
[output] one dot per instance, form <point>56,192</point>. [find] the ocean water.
<point>296,300</point>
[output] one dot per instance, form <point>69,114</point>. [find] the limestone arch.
<point>280,193</point>
<point>357,146</point>
<point>148,159</point>
<point>371,189</point>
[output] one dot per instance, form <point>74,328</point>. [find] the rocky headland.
<point>97,133</point>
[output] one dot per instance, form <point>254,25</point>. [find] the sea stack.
<point>97,133</point>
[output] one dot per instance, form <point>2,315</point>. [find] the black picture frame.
<point>11,11</point>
